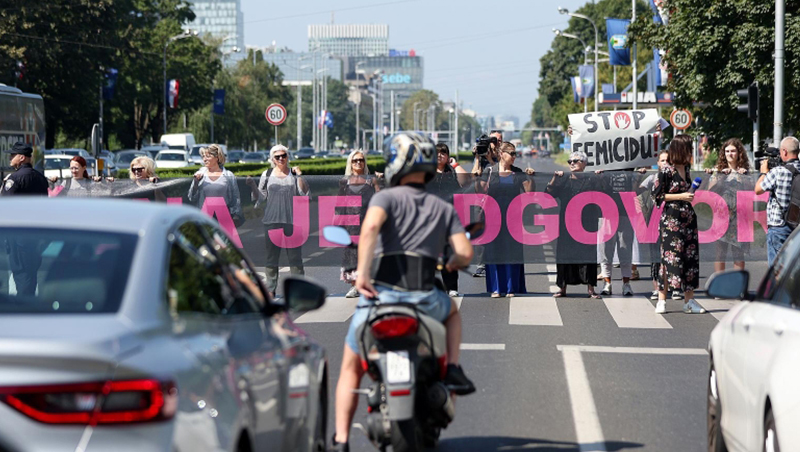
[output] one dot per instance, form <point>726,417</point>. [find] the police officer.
<point>25,180</point>
<point>24,257</point>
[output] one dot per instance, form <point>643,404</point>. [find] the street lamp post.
<point>415,115</point>
<point>596,75</point>
<point>185,34</point>
<point>358,104</point>
<point>585,55</point>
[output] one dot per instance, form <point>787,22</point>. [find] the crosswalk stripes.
<point>335,309</point>
<point>634,312</point>
<point>717,308</point>
<point>541,310</point>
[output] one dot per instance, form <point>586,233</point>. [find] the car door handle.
<point>746,324</point>
<point>779,328</point>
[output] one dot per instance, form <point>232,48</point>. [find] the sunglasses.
<point>358,160</point>
<point>570,161</point>
<point>280,156</point>
<point>512,154</point>
<point>137,169</point>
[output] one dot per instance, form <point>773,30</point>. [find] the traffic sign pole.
<point>276,115</point>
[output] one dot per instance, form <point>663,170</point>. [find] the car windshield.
<point>77,271</point>
<point>127,158</point>
<point>72,152</point>
<point>56,163</point>
<point>171,157</point>
<point>195,151</point>
<point>235,155</point>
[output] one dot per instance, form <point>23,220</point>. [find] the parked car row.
<point>56,162</point>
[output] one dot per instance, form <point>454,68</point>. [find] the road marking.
<point>534,311</point>
<point>718,308</point>
<point>552,278</point>
<point>458,301</point>
<point>634,312</point>
<point>317,254</point>
<point>588,431</point>
<point>554,289</point>
<point>634,350</point>
<point>335,309</point>
<point>483,346</point>
<point>584,412</point>
<point>551,268</point>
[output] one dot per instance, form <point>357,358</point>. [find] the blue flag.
<point>576,88</point>
<point>329,119</point>
<point>111,84</point>
<point>586,73</point>
<point>619,53</point>
<point>219,101</point>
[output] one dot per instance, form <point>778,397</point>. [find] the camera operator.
<point>778,182</point>
<point>485,151</point>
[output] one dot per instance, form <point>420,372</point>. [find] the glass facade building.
<point>349,40</point>
<point>222,19</point>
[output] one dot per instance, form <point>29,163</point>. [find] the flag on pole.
<point>219,101</point>
<point>329,119</point>
<point>576,88</point>
<point>619,53</point>
<point>321,118</point>
<point>586,73</point>
<point>172,93</point>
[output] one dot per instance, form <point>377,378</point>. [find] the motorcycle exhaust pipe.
<point>441,402</point>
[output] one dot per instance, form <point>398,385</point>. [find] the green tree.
<point>714,49</point>
<point>423,99</point>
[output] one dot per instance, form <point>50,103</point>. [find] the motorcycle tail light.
<point>111,402</point>
<point>394,326</point>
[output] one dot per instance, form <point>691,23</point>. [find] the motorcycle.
<point>404,352</point>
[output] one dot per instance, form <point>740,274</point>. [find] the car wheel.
<point>716,442</point>
<point>770,433</point>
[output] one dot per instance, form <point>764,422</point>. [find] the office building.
<point>343,40</point>
<point>222,19</point>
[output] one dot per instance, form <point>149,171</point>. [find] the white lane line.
<point>633,350</point>
<point>283,269</point>
<point>634,312</point>
<point>551,268</point>
<point>534,311</point>
<point>483,346</point>
<point>554,289</point>
<point>552,278</point>
<point>458,301</point>
<point>584,412</point>
<point>335,309</point>
<point>317,254</point>
<point>717,308</point>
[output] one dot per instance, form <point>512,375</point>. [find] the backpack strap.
<point>266,179</point>
<point>792,169</point>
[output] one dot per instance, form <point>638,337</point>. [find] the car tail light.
<point>394,326</point>
<point>112,402</point>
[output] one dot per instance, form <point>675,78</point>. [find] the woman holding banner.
<point>503,183</point>
<point>214,181</point>
<point>680,247</point>
<point>356,182</point>
<point>579,269</point>
<point>730,176</point>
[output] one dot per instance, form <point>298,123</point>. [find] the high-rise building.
<point>222,19</point>
<point>349,40</point>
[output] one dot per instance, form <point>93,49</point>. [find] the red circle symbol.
<point>275,114</point>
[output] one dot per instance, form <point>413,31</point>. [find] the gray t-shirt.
<point>417,221</point>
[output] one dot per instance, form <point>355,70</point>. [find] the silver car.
<point>147,329</point>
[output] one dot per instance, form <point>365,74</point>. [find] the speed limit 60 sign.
<point>275,114</point>
<point>680,119</point>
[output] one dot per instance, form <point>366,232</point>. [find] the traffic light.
<point>750,97</point>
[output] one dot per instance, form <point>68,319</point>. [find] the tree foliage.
<point>715,48</point>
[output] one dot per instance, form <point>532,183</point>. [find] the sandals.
<point>594,296</point>
<point>560,294</point>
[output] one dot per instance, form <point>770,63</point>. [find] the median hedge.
<point>310,167</point>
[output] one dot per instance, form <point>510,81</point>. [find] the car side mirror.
<point>302,295</point>
<point>475,230</point>
<point>337,235</point>
<point>731,284</point>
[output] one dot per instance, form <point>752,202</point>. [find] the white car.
<point>172,159</point>
<point>57,165</point>
<point>753,398</point>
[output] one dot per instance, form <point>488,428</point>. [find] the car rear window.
<point>171,157</point>
<point>54,271</point>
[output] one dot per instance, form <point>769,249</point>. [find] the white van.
<point>179,141</point>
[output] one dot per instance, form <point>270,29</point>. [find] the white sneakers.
<point>606,289</point>
<point>352,293</point>
<point>691,307</point>
<point>627,291</point>
<point>453,293</point>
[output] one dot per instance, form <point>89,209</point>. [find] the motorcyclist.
<point>404,219</point>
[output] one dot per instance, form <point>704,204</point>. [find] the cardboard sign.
<point>614,140</point>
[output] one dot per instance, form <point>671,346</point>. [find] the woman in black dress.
<point>578,260</point>
<point>680,248</point>
<point>356,182</point>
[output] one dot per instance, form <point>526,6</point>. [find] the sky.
<point>487,50</point>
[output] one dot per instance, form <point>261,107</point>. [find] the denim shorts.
<point>434,303</point>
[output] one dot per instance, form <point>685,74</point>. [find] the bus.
<point>21,120</point>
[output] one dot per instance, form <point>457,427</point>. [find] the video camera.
<point>482,144</point>
<point>773,156</point>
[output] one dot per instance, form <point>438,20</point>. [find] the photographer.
<point>485,151</point>
<point>778,182</point>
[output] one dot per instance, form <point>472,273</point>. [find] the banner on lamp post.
<point>219,101</point>
<point>619,54</point>
<point>172,93</point>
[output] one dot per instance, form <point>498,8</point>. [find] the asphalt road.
<point>563,374</point>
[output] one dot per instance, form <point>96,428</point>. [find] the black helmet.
<point>409,152</point>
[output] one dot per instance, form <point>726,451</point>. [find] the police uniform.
<point>25,180</point>
<point>24,258</point>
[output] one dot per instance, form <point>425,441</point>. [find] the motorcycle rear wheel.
<point>406,436</point>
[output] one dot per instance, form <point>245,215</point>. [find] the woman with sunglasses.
<point>577,262</point>
<point>357,181</point>
<point>214,181</point>
<point>504,182</point>
<point>277,188</point>
<point>79,184</point>
<point>143,171</point>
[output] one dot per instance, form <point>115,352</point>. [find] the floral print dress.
<point>680,248</point>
